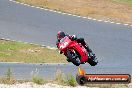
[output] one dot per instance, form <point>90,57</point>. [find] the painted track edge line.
<point>64,13</point>
<point>49,47</point>
<point>35,63</point>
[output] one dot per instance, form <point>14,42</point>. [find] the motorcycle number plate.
<point>64,45</point>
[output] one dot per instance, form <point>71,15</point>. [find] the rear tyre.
<point>73,57</point>
<point>92,61</point>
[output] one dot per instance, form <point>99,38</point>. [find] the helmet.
<point>60,35</point>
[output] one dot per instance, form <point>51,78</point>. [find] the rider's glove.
<point>57,43</point>
<point>74,37</point>
<point>60,52</point>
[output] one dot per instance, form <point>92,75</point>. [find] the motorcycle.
<point>75,52</point>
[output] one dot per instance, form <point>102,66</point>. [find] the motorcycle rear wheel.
<point>92,62</point>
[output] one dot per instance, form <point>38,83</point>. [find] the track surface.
<point>26,71</point>
<point>112,43</point>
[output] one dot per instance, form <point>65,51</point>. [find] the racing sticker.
<point>83,78</point>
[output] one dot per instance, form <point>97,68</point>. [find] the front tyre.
<point>73,57</point>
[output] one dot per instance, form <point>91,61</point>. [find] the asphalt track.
<point>112,43</point>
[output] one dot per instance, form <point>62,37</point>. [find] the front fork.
<point>67,57</point>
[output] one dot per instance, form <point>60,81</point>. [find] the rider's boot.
<point>92,60</point>
<point>89,50</point>
<point>91,55</point>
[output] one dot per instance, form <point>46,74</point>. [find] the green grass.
<point>11,45</point>
<point>124,1</point>
<point>71,80</point>
<point>8,78</point>
<point>37,80</point>
<point>63,79</point>
<point>20,52</point>
<point>9,74</point>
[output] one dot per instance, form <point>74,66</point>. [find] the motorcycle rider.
<point>61,35</point>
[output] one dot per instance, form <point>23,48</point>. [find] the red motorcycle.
<point>75,52</point>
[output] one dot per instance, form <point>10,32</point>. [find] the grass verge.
<point>113,10</point>
<point>8,78</point>
<point>61,79</point>
<point>124,1</point>
<point>20,52</point>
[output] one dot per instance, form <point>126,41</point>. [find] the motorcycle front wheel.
<point>73,57</point>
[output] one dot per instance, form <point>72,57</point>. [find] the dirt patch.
<point>51,85</point>
<point>33,85</point>
<point>112,10</point>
